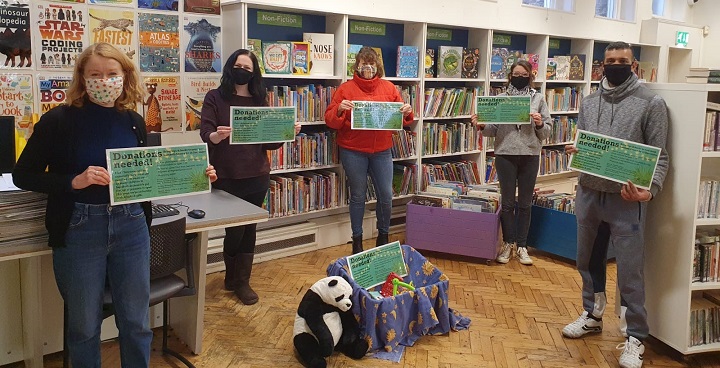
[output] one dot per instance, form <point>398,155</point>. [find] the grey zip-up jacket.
<point>632,112</point>
<point>509,140</point>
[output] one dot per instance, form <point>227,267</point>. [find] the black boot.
<point>243,268</point>
<point>357,245</point>
<point>230,276</point>
<point>382,239</point>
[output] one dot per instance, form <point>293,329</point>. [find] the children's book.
<point>534,60</point>
<point>596,73</point>
<point>562,71</point>
<point>577,67</point>
<point>551,72</point>
<point>352,51</point>
<point>510,59</point>
<point>408,60</point>
<point>300,58</point>
<point>497,63</point>
<point>449,61</point>
<point>277,57</point>
<point>255,46</point>
<point>430,71</point>
<point>379,54</point>
<point>471,57</point>
<point>322,53</point>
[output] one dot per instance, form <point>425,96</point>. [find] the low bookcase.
<point>447,230</point>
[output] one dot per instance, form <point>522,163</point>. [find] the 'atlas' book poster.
<point>203,6</point>
<point>16,99</point>
<point>52,90</point>
<point>62,32</point>
<point>201,42</point>
<point>15,38</point>
<point>161,105</point>
<point>159,42</point>
<point>171,5</point>
<point>116,27</point>
<point>194,89</point>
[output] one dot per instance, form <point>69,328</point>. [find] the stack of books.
<point>22,219</point>
<point>703,76</point>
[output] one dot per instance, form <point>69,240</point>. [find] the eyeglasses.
<point>521,75</point>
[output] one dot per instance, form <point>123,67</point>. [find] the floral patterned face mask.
<point>104,91</point>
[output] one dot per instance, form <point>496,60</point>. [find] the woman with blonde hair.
<point>364,152</point>
<point>92,241</point>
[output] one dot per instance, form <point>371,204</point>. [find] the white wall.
<point>705,13</point>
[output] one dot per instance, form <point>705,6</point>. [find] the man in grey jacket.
<point>614,213</point>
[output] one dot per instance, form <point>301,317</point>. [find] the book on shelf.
<point>449,102</point>
<point>553,161</point>
<point>300,58</point>
<point>596,73</point>
<point>702,80</point>
<point>276,56</point>
<point>308,150</point>
<point>255,46</point>
<point>352,51</point>
<point>470,61</point>
<point>510,58</point>
<point>311,100</point>
<point>430,200</point>
<point>449,61</point>
<point>497,63</point>
<point>378,51</point>
<point>322,53</point>
<point>404,175</point>
<point>711,135</point>
<point>704,321</point>
<point>534,60</point>
<point>462,171</point>
<point>704,72</point>
<point>563,202</point>
<point>474,204</point>
<point>410,95</point>
<point>293,194</point>
<point>563,130</point>
<point>577,67</point>
<point>430,70</point>
<point>551,71</point>
<point>408,60</point>
<point>705,258</point>
<point>449,137</point>
<point>403,144</point>
<point>709,198</point>
<point>563,98</point>
<point>562,70</point>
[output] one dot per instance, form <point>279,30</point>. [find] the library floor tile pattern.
<point>517,315</point>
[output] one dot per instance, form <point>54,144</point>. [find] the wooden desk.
<point>186,314</point>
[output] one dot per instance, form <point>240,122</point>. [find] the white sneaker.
<point>583,325</point>
<point>632,355</point>
<point>523,256</point>
<point>505,251</point>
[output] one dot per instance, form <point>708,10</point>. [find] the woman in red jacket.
<point>364,152</point>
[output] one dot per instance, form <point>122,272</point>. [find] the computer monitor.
<point>154,139</point>
<point>7,143</point>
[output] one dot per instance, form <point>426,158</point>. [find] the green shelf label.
<point>369,28</point>
<point>439,34</point>
<point>501,40</point>
<point>279,19</point>
<point>554,44</point>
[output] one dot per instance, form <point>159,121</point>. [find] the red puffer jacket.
<point>359,89</point>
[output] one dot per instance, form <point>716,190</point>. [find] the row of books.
<point>452,62</point>
<point>449,102</point>
<point>705,318</point>
<point>558,201</point>
<point>502,59</point>
<point>563,130</point>
<point>403,144</point>
<point>706,267</point>
<point>563,98</point>
<point>308,150</point>
<point>553,161</point>
<point>711,135</point>
<point>457,195</point>
<point>489,143</point>
<point>460,171</point>
<point>292,194</point>
<point>22,217</point>
<point>403,182</point>
<point>450,137</point>
<point>490,172</point>
<point>314,55</point>
<point>709,199</point>
<point>311,100</point>
<point>407,66</point>
<point>411,95</point>
<point>703,76</point>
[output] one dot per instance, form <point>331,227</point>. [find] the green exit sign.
<point>681,39</point>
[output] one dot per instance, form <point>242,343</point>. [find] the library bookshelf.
<point>672,222</point>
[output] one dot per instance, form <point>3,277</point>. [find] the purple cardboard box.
<point>473,234</point>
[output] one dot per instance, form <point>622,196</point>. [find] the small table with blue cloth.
<point>400,320</point>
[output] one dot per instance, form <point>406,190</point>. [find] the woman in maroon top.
<point>243,170</point>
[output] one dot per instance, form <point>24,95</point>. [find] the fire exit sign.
<point>681,39</point>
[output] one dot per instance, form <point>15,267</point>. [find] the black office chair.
<point>170,252</point>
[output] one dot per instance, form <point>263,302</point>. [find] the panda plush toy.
<point>324,322</point>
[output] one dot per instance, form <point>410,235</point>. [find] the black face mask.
<point>616,74</point>
<point>520,82</point>
<point>241,76</point>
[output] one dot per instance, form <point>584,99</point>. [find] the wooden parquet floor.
<point>517,316</point>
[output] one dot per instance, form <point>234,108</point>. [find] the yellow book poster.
<point>159,42</point>
<point>52,90</point>
<point>61,34</point>
<point>16,99</point>
<point>116,27</point>
<point>194,90</point>
<point>161,104</point>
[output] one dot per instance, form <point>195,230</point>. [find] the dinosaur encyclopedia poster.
<point>15,39</point>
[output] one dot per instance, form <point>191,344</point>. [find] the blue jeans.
<point>357,166</point>
<point>516,171</point>
<point>106,243</point>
